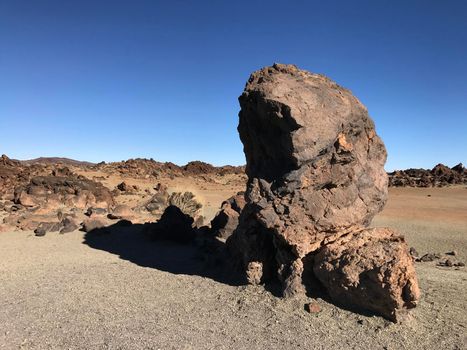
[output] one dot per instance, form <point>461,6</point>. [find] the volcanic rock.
<point>313,308</point>
<point>316,174</point>
<point>69,224</point>
<point>429,257</point>
<point>439,176</point>
<point>121,211</point>
<point>370,265</point>
<point>94,224</point>
<point>226,220</point>
<point>39,232</point>
<point>158,201</point>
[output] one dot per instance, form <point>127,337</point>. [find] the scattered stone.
<point>94,223</point>
<point>16,207</point>
<point>413,252</point>
<point>50,226</point>
<point>69,225</point>
<point>121,212</point>
<point>429,257</point>
<point>313,308</point>
<point>443,263</point>
<point>124,187</point>
<point>92,212</point>
<point>453,253</point>
<point>39,232</point>
<point>159,201</point>
<point>26,200</point>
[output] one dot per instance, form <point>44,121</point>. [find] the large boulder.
<point>315,171</point>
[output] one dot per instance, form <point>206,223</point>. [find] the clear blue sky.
<point>110,80</point>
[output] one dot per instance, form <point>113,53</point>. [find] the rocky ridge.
<point>439,176</point>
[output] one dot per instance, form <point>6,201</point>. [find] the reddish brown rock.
<point>315,171</point>
<point>439,176</point>
<point>371,269</point>
<point>226,220</point>
<point>69,224</point>
<point>313,308</point>
<point>26,200</point>
<point>95,223</point>
<point>121,211</point>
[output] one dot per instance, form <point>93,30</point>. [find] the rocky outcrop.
<point>439,176</point>
<point>316,179</point>
<point>149,168</point>
<point>72,190</point>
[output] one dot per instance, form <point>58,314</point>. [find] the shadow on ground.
<point>135,243</point>
<point>172,245</point>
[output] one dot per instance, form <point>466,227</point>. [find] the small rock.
<point>95,211</point>
<point>123,187</point>
<point>459,264</point>
<point>69,225</point>
<point>453,253</point>
<point>413,252</point>
<point>69,228</point>
<point>429,257</point>
<point>447,262</point>
<point>121,212</point>
<point>50,226</point>
<point>92,224</point>
<point>313,308</point>
<point>39,232</point>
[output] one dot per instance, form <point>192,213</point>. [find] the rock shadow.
<point>202,256</point>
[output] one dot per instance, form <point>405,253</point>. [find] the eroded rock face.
<point>315,171</point>
<point>370,265</point>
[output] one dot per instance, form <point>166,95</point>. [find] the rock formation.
<point>439,176</point>
<point>316,179</point>
<point>226,220</point>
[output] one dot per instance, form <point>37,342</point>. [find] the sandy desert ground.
<point>125,292</point>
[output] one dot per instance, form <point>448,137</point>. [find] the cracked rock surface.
<point>316,179</point>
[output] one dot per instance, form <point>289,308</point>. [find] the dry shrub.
<point>186,202</point>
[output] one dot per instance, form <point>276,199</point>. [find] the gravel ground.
<point>123,292</point>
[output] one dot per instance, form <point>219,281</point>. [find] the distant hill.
<point>56,160</point>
